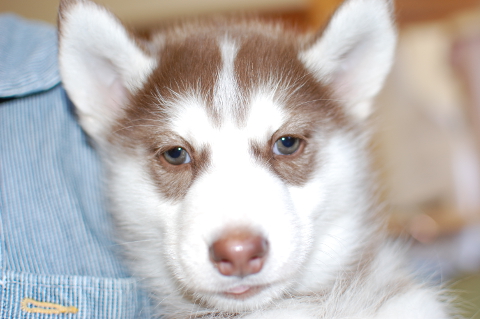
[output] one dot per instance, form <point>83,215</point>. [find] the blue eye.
<point>176,156</point>
<point>286,145</point>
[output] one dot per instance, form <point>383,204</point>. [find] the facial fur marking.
<point>226,95</point>
<point>295,169</point>
<point>149,131</point>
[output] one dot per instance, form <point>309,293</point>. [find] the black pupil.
<point>175,152</point>
<point>288,141</point>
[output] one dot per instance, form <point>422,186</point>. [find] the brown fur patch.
<point>190,63</point>
<point>269,61</point>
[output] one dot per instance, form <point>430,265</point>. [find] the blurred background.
<point>427,138</point>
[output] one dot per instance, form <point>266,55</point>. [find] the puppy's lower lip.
<point>243,292</point>
<point>238,290</point>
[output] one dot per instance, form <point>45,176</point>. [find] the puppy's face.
<point>232,147</point>
<point>232,156</point>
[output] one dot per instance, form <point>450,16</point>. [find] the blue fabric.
<point>56,236</point>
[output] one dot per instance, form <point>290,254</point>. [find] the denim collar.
<point>28,57</point>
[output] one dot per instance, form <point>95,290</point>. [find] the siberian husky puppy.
<point>236,163</point>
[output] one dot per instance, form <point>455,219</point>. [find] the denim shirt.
<point>57,254</point>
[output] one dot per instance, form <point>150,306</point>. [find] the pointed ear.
<point>354,53</point>
<point>100,63</point>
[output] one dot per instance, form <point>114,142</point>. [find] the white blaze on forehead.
<point>226,95</point>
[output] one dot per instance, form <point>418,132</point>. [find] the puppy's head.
<point>233,147</point>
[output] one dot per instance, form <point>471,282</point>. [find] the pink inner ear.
<point>119,95</point>
<point>354,74</point>
<point>109,86</point>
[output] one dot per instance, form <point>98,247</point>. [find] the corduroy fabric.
<point>56,236</point>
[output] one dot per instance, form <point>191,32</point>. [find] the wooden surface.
<point>406,11</point>
<point>144,12</point>
<point>308,12</point>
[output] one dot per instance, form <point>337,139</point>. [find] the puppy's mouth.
<point>242,291</point>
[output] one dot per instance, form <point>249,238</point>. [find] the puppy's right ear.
<point>100,63</point>
<point>353,54</point>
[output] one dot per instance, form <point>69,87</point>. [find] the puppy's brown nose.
<point>239,253</point>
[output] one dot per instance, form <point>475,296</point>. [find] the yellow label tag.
<point>33,306</point>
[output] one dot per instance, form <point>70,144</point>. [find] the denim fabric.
<point>57,249</point>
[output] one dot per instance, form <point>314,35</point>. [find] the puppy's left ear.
<point>354,53</point>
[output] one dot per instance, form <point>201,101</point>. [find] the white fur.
<point>211,207</point>
<point>226,90</point>
<point>263,106</point>
<point>325,258</point>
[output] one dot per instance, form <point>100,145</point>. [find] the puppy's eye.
<point>286,145</point>
<point>177,156</point>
